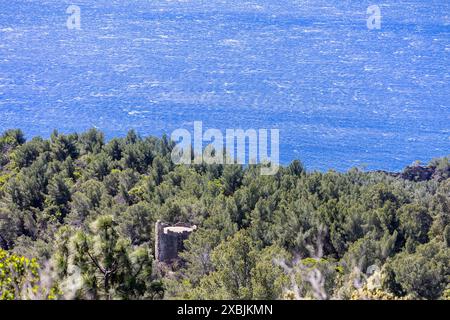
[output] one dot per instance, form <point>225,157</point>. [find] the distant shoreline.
<point>417,171</point>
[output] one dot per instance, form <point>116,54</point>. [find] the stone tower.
<point>169,240</point>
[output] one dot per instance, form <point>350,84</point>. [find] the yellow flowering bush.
<point>17,273</point>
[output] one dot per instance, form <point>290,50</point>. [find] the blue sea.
<point>342,95</point>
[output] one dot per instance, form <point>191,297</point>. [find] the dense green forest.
<point>77,216</point>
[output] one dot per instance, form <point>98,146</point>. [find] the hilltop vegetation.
<point>77,220</point>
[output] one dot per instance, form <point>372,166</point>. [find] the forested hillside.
<point>77,218</point>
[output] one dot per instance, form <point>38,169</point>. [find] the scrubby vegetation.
<point>77,220</point>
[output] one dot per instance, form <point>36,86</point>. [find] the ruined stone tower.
<point>169,240</point>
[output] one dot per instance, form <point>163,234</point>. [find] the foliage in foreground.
<point>85,209</point>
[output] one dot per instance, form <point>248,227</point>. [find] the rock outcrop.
<point>418,173</point>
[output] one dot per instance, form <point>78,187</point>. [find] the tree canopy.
<point>77,217</point>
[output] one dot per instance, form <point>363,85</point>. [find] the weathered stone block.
<point>169,240</point>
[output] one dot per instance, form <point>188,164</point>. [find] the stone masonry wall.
<point>169,240</point>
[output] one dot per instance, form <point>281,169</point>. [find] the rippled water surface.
<point>341,95</point>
